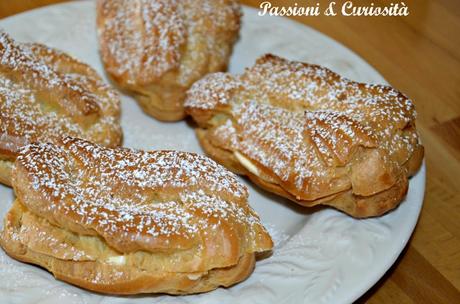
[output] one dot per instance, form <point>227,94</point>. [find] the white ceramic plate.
<point>322,256</point>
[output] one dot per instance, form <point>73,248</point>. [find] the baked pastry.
<point>46,94</point>
<point>157,49</point>
<point>121,221</point>
<point>310,135</point>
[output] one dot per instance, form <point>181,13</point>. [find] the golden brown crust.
<point>346,201</point>
<point>124,221</point>
<point>109,278</point>
<point>307,134</point>
<point>46,94</point>
<point>157,49</point>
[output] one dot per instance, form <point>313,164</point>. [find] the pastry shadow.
<point>263,255</point>
<point>296,208</point>
<point>190,122</point>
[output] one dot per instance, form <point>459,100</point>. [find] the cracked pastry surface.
<point>122,221</point>
<point>45,94</point>
<point>310,135</point>
<point>158,48</point>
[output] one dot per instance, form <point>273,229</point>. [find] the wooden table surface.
<point>419,55</point>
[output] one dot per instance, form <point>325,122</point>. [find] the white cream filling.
<point>247,163</point>
<point>6,164</point>
<point>117,260</point>
<point>121,260</point>
<point>194,277</point>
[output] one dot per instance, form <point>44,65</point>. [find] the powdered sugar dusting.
<point>301,122</point>
<point>45,94</point>
<point>142,40</point>
<point>143,37</point>
<point>135,200</point>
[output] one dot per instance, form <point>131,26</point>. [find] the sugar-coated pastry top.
<point>134,200</point>
<point>142,40</point>
<point>308,129</point>
<point>46,94</point>
<point>122,221</point>
<point>156,49</point>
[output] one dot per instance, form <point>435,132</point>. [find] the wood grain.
<point>419,55</point>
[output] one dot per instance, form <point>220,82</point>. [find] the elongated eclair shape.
<point>156,49</point>
<point>305,133</point>
<point>121,221</point>
<point>44,95</point>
